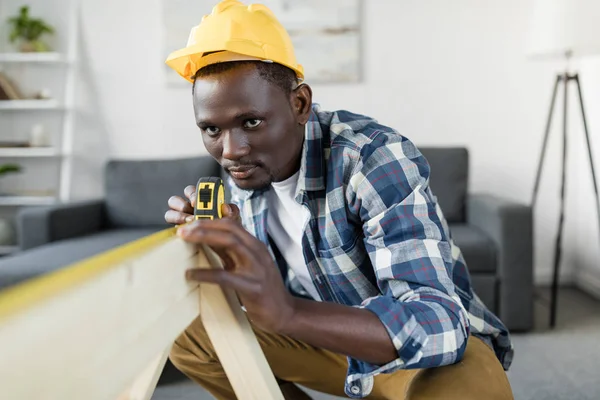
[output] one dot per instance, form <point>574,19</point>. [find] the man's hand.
<point>182,209</point>
<point>252,273</point>
<point>249,270</point>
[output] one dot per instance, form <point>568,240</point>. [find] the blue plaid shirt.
<point>377,239</point>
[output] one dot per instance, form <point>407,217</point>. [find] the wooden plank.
<point>144,385</point>
<point>86,331</point>
<point>226,323</point>
<point>36,291</point>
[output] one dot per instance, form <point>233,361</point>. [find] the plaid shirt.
<point>378,240</point>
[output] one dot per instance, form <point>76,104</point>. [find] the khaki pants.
<point>478,376</point>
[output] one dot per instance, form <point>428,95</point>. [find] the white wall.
<point>584,213</point>
<point>441,72</point>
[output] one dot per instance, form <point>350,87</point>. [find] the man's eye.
<point>212,130</point>
<point>252,123</point>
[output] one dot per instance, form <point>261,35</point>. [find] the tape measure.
<point>210,196</point>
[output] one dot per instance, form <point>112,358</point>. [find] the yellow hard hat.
<point>235,32</point>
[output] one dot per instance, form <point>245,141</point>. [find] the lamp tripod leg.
<point>561,219</point>
<point>545,142</point>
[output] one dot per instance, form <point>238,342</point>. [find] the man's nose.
<point>235,146</point>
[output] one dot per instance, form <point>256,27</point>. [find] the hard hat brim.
<point>189,60</point>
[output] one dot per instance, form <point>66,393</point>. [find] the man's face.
<point>250,126</point>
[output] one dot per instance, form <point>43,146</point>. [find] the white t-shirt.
<point>285,223</point>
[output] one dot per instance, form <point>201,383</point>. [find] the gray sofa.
<point>494,234</point>
<point>135,202</point>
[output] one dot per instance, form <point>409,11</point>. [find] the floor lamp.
<point>564,29</point>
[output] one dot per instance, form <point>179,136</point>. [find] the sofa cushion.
<point>486,289</point>
<point>478,249</point>
<point>448,179</point>
<point>56,255</point>
<point>137,191</point>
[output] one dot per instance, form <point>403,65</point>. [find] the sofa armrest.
<point>40,225</point>
<point>510,226</point>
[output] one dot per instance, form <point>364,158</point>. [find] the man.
<point>343,260</point>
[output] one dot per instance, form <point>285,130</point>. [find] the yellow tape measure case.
<point>210,196</point>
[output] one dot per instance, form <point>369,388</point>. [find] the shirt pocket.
<point>349,271</point>
<point>346,257</point>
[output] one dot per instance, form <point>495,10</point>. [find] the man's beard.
<point>262,184</point>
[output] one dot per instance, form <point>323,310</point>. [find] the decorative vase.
<point>32,46</point>
<point>39,136</point>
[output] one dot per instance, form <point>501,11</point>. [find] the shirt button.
<point>355,389</point>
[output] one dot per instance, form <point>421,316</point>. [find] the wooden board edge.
<point>21,296</point>
<point>145,384</point>
<point>224,320</point>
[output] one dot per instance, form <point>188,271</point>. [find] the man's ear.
<point>301,100</point>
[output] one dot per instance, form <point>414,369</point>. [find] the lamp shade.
<point>559,27</point>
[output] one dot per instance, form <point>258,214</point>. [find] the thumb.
<point>231,211</point>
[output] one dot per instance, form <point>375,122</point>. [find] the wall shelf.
<point>24,152</point>
<point>45,57</point>
<point>33,72</point>
<point>29,105</point>
<point>26,200</point>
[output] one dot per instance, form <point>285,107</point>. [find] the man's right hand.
<point>182,209</point>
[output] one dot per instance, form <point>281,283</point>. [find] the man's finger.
<point>180,204</point>
<point>224,225</point>
<point>228,262</point>
<point>237,249</point>
<point>177,218</point>
<point>241,284</point>
<point>231,211</point>
<point>190,193</point>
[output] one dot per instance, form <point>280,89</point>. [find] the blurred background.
<point>88,110</point>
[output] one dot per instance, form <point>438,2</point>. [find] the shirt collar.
<point>312,165</point>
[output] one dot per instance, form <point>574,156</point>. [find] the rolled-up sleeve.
<point>409,247</point>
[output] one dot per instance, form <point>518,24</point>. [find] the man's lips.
<point>242,172</point>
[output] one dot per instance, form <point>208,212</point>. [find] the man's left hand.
<point>249,270</point>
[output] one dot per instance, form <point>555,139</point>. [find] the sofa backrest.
<point>137,191</point>
<point>449,179</point>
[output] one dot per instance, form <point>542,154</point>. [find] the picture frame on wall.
<point>326,34</point>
